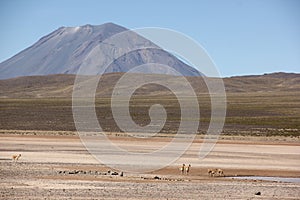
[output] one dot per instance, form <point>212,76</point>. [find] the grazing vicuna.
<point>188,168</point>
<point>16,157</point>
<point>211,172</point>
<point>182,168</point>
<point>214,172</point>
<point>220,172</point>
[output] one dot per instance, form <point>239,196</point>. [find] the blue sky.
<point>241,36</point>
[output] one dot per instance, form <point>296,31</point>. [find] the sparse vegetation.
<point>247,114</point>
<point>256,105</point>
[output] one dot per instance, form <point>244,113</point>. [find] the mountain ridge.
<point>61,85</point>
<point>272,75</point>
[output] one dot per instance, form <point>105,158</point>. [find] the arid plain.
<point>59,167</point>
<point>260,138</point>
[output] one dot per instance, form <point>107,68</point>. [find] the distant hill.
<point>272,82</point>
<point>62,85</point>
<point>64,50</point>
<point>271,75</point>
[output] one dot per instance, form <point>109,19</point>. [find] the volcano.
<point>64,51</point>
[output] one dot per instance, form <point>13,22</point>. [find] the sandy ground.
<point>59,167</point>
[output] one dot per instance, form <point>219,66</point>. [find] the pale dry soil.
<point>57,166</point>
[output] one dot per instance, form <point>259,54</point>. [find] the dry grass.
<point>247,114</point>
<point>256,105</point>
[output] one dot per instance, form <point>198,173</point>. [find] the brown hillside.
<point>62,85</point>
